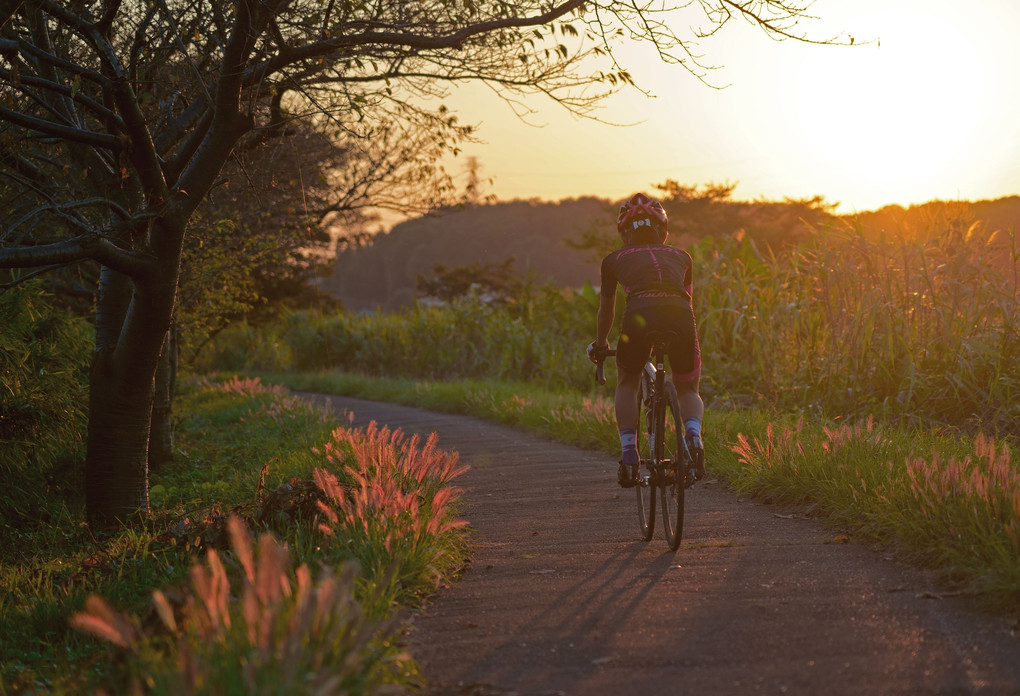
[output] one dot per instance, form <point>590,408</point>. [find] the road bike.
<point>666,466</point>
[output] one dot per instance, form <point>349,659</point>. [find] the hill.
<point>383,274</point>
<point>940,217</point>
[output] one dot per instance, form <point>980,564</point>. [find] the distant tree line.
<point>562,242</point>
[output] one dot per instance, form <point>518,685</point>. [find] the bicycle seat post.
<point>661,341</point>
<point>659,351</point>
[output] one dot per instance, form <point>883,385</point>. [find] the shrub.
<point>396,516</point>
<point>44,363</point>
<point>268,630</point>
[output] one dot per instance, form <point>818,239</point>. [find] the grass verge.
<point>219,588</point>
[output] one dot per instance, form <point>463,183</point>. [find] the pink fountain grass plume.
<point>102,621</point>
<point>396,491</point>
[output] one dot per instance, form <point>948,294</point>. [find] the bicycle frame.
<point>655,372</point>
<point>668,475</point>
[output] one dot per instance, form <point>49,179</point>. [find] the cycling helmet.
<point>639,211</point>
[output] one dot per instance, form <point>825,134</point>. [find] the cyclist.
<point>657,280</point>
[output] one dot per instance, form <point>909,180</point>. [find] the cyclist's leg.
<point>632,351</point>
<point>691,405</point>
<point>685,362</point>
<point>693,410</point>
<point>627,384</point>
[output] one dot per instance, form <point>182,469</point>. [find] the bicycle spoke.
<point>674,487</point>
<point>645,488</point>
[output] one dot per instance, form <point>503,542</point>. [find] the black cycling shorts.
<point>634,348</point>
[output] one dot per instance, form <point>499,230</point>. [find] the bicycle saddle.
<point>665,337</point>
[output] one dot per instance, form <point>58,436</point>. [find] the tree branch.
<point>109,15</point>
<point>74,68</point>
<point>4,287</point>
<point>175,166</point>
<point>77,135</point>
<point>184,52</point>
<point>142,151</point>
<point>85,247</point>
<point>7,10</point>
<point>771,27</point>
<point>184,124</point>
<point>63,90</point>
<point>455,39</point>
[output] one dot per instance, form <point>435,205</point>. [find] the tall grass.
<point>265,629</point>
<point>921,330</point>
<point>396,515</point>
<point>958,511</point>
<point>534,339</point>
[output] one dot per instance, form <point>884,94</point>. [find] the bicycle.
<point>666,465</point>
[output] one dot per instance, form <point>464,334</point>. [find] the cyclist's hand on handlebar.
<point>596,353</point>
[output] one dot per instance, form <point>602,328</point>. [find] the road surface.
<point>562,597</point>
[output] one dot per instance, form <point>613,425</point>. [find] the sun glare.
<point>899,112</point>
<point>923,106</point>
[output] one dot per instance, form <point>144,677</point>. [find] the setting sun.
<point>921,107</point>
<point>895,113</point>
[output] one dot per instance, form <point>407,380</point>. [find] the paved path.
<point>562,598</point>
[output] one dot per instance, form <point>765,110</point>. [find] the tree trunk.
<point>116,469</point>
<point>132,322</point>
<point>133,316</point>
<point>161,438</point>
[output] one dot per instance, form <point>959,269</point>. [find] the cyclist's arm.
<point>607,301</point>
<point>604,320</point>
<point>688,276</point>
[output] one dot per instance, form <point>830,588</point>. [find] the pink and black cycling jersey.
<point>657,280</point>
<point>650,274</point>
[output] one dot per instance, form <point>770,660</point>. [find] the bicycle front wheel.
<point>645,486</point>
<point>674,484</point>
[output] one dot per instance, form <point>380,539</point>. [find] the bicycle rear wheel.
<point>674,485</point>
<point>645,486</point>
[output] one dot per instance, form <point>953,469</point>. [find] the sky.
<point>924,106</point>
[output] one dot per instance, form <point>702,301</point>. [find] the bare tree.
<point>118,117</point>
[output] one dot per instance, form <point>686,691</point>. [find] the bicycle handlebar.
<point>600,367</point>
